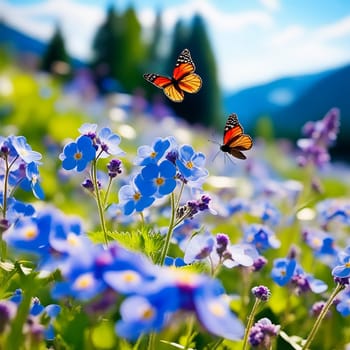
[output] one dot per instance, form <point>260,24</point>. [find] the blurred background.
<point>276,63</point>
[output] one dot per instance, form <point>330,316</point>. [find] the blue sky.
<point>254,41</point>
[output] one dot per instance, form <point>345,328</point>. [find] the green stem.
<point>170,230</point>
<point>321,316</point>
<point>107,192</point>
<point>189,335</point>
<point>151,341</point>
<point>250,323</point>
<point>99,201</point>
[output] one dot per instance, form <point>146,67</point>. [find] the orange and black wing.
<point>166,84</point>
<point>235,141</point>
<point>184,75</point>
<point>184,79</point>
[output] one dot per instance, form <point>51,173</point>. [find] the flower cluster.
<point>162,164</point>
<point>34,328</point>
<point>320,135</point>
<point>262,333</point>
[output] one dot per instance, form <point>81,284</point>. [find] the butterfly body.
<point>235,141</point>
<point>183,79</point>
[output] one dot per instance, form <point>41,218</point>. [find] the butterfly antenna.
<point>216,154</point>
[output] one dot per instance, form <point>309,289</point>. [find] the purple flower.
<point>191,208</point>
<point>114,168</point>
<point>262,332</point>
<point>320,136</point>
<point>261,292</point>
<point>78,154</point>
<point>8,311</point>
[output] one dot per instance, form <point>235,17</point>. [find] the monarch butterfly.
<point>183,80</point>
<point>234,140</point>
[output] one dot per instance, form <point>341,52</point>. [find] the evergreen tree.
<point>154,47</point>
<point>208,109</point>
<point>106,50</point>
<point>179,42</point>
<point>55,58</point>
<point>133,52</point>
<point>119,51</point>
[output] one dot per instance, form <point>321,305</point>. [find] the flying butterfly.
<point>183,80</point>
<point>235,141</point>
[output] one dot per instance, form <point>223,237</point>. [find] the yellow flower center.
<point>30,233</point>
<point>159,181</point>
<point>72,239</point>
<point>131,277</point>
<point>147,313</point>
<point>347,264</point>
<point>317,242</point>
<point>78,155</point>
<point>217,308</point>
<point>137,196</point>
<point>84,281</point>
<point>153,154</point>
<point>189,165</point>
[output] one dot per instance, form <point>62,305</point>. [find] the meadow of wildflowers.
<point>118,231</point>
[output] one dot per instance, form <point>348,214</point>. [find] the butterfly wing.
<point>184,65</point>
<point>232,130</point>
<point>190,83</point>
<point>176,95</point>
<point>235,140</point>
<point>184,74</point>
<point>184,79</point>
<point>166,84</point>
<point>157,80</point>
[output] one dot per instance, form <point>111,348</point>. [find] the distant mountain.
<point>20,43</point>
<point>290,102</point>
<point>333,90</point>
<point>270,98</point>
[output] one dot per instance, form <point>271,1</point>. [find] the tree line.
<point>121,55</point>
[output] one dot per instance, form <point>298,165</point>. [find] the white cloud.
<point>272,5</point>
<point>215,18</point>
<point>77,21</point>
<point>287,35</point>
<point>249,45</point>
<point>337,30</point>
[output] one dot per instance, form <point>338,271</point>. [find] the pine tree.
<point>107,52</point>
<point>55,58</point>
<point>154,48</point>
<point>133,51</point>
<point>208,110</point>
